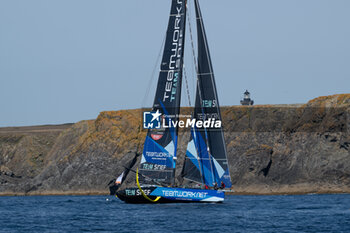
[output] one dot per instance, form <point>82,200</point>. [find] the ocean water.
<point>289,213</point>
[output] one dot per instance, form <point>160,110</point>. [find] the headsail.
<point>119,179</point>
<point>159,153</point>
<point>206,159</point>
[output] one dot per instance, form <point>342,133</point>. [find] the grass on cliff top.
<point>338,99</point>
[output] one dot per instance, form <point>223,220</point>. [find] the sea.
<point>248,213</point>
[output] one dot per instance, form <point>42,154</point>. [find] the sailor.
<point>216,186</point>
<point>222,185</point>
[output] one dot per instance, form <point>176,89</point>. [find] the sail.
<point>119,179</point>
<point>160,147</point>
<point>206,158</point>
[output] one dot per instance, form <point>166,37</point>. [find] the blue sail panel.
<point>153,153</point>
<point>220,174</point>
<point>192,167</point>
<point>206,166</point>
<point>193,158</point>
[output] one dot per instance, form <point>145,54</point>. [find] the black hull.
<point>113,189</point>
<point>142,200</point>
<point>134,195</point>
<point>138,198</point>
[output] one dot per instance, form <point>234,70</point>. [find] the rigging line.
<point>142,192</point>
<point>200,88</point>
<point>196,70</point>
<point>148,90</point>
<point>199,91</point>
<point>192,43</point>
<point>146,177</point>
<point>187,88</point>
<point>153,73</point>
<point>193,181</point>
<point>194,64</point>
<point>138,141</point>
<point>212,76</point>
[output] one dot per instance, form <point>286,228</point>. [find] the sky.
<point>64,61</point>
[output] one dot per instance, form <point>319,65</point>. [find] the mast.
<point>209,143</point>
<point>160,148</point>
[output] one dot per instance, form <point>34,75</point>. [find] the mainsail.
<point>160,147</point>
<point>206,159</point>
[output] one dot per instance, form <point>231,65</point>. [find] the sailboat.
<point>205,165</point>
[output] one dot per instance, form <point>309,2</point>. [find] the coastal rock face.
<point>271,149</point>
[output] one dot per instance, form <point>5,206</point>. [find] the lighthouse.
<point>246,100</point>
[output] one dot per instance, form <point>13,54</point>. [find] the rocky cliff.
<point>271,149</point>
